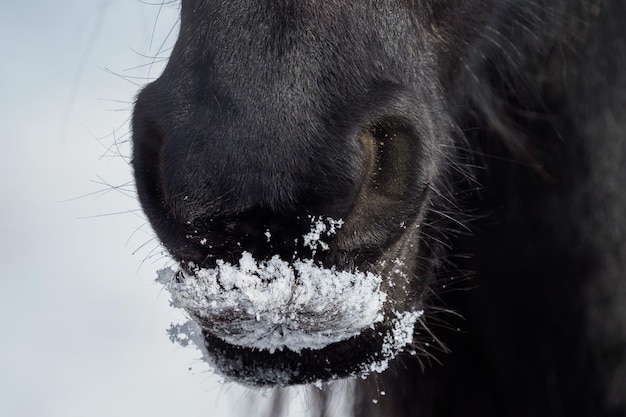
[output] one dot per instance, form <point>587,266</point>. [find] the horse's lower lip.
<point>254,367</point>
<point>368,352</point>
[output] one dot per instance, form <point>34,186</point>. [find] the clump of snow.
<point>186,333</point>
<point>400,335</point>
<point>277,304</point>
<point>321,226</point>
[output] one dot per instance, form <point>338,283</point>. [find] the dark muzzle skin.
<point>273,113</point>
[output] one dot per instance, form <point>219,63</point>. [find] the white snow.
<point>277,304</point>
<point>321,226</point>
<point>400,335</point>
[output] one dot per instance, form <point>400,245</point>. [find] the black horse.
<point>475,153</point>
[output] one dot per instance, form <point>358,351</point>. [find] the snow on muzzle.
<point>287,306</point>
<point>276,305</point>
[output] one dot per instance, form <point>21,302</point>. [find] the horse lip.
<point>275,305</point>
<point>368,352</point>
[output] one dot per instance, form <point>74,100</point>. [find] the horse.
<point>423,196</point>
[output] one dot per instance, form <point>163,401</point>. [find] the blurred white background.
<point>82,322</point>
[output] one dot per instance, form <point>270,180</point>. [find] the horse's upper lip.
<point>275,305</point>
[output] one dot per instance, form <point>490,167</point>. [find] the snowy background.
<point>82,322</point>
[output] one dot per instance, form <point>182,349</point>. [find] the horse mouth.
<point>368,352</point>
<point>278,323</point>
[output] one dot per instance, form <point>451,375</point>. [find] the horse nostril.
<point>390,147</point>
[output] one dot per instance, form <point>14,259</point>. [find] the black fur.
<point>509,152</point>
